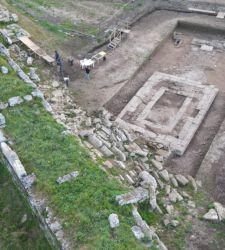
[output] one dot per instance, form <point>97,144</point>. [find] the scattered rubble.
<point>6,16</point>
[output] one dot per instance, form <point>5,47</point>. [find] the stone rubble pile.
<point>13,32</point>
<point>6,16</point>
<point>143,228</point>
<point>105,139</point>
<point>20,54</point>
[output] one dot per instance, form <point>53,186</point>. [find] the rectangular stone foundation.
<point>168,109</point>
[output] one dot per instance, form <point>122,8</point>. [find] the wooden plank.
<point>36,50</point>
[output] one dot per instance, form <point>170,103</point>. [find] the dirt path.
<point>212,169</point>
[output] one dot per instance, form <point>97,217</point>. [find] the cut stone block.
<point>67,177</point>
<point>137,195</point>
<point>114,220</point>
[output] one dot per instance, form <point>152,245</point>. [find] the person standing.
<point>58,62</point>
<point>87,73</point>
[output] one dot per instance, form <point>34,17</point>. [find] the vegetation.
<point>83,204</point>
<point>19,227</point>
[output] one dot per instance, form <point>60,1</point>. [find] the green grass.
<point>152,218</point>
<point>15,234</point>
<point>219,235</point>
<point>83,204</point>
<point>10,85</point>
<point>123,6</point>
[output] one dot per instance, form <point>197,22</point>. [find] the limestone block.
<point>14,160</point>
<point>15,101</point>
<point>114,220</point>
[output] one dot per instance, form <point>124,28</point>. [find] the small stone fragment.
<point>157,164</point>
<point>55,226</point>
<point>88,122</point>
<point>174,196</point>
<point>2,121</point>
<point>165,175</point>
<point>137,232</point>
<point>3,105</point>
<point>114,220</point>
<point>105,151</point>
<point>211,215</point>
<point>30,61</point>
<point>119,154</point>
<point>28,98</point>
<point>174,223</point>
<point>15,101</point>
<point>95,141</point>
<point>181,179</point>
<point>220,210</point>
<point>4,70</point>
<point>137,195</point>
<point>24,218</point>
<point>169,209</point>
<point>33,75</point>
<point>67,177</point>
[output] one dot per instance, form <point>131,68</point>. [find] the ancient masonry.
<point>168,109</point>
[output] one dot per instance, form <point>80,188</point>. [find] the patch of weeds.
<point>115,171</point>
<point>180,233</point>
<point>52,28</point>
<point>210,205</point>
<point>219,234</point>
<point>151,217</point>
<point>71,114</point>
<point>174,238</point>
<point>200,197</point>
<point>123,6</point>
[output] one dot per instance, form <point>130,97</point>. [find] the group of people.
<point>70,61</point>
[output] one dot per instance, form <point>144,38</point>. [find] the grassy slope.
<point>15,234</point>
<point>83,204</point>
<point>12,85</point>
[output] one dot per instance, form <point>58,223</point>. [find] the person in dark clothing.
<point>58,62</point>
<point>71,61</point>
<point>87,73</point>
<point>57,57</point>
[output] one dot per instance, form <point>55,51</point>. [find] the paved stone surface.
<point>163,103</point>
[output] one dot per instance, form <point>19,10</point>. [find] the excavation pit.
<point>168,109</point>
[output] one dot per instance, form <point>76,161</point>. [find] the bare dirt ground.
<point>110,81</point>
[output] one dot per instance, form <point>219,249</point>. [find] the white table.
<point>87,63</point>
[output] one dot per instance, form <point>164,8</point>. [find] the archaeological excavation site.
<point>112,124</point>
